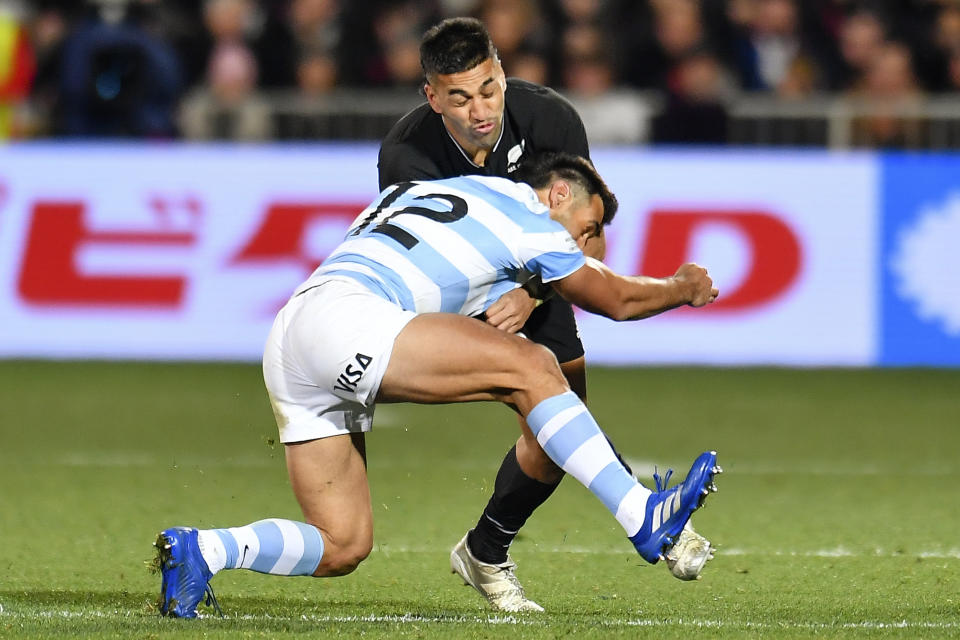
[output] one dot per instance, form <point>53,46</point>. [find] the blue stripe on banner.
<point>271,545</point>
<point>391,279</point>
<point>312,550</point>
<point>611,485</point>
<point>550,407</point>
<point>568,439</point>
<point>230,544</point>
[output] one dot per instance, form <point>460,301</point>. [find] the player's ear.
<point>432,96</point>
<point>500,75</point>
<point>559,192</point>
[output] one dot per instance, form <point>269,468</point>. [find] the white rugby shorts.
<point>325,358</point>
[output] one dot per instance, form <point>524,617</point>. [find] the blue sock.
<point>276,546</point>
<point>573,440</point>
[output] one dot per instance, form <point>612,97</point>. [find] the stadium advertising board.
<point>920,306</point>
<point>186,252</point>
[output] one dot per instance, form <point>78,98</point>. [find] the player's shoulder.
<point>544,118</point>
<point>418,123</point>
<point>407,151</point>
<point>504,194</point>
<point>531,98</point>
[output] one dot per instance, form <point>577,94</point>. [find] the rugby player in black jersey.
<point>476,121</point>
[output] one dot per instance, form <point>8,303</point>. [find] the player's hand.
<point>702,291</point>
<point>511,311</point>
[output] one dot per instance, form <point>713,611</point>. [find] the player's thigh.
<point>329,480</point>
<point>440,357</point>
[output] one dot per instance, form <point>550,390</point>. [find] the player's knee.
<point>541,367</point>
<point>343,559</point>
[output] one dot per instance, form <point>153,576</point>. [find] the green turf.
<point>837,515</point>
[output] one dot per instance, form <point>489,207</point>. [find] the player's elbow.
<point>619,313</point>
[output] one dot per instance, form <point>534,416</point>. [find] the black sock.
<point>515,497</point>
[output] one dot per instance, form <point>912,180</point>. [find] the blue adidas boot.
<point>669,509</point>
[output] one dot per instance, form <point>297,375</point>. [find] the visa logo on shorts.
<point>350,378</point>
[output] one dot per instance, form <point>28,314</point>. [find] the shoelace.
<point>507,569</point>
<point>662,482</point>
<point>212,600</point>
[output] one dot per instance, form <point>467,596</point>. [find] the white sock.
<point>276,546</point>
<point>573,440</point>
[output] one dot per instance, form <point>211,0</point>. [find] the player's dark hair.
<point>539,170</point>
<point>455,45</point>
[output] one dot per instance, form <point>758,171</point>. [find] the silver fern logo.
<point>925,266</point>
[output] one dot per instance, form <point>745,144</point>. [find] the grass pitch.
<point>837,515</point>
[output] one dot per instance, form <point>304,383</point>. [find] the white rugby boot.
<point>496,582</point>
<point>687,557</point>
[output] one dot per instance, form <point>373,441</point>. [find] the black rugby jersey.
<point>535,118</point>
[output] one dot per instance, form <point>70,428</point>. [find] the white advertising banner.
<point>167,252</point>
<point>789,239</point>
<point>186,252</point>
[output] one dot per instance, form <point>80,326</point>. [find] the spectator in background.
<point>532,65</point>
<point>695,112</point>
<point>946,33</point>
<point>609,114</point>
<point>230,25</point>
<point>662,34</point>
<point>953,72</point>
<point>381,39</point>
<point>316,73</point>
<point>316,36</point>
<point>783,48</point>
<point>226,107</point>
<point>453,8</point>
<point>582,11</point>
<point>564,17</point>
<point>946,41</point>
<point>17,69</point>
<point>862,36</point>
<point>398,28</point>
<point>679,27</point>
<point>516,28</point>
<point>47,27</point>
<point>118,78</point>
<point>889,89</point>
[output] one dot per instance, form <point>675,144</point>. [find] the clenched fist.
<point>702,291</point>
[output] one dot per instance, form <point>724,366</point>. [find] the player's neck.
<point>479,157</point>
<point>476,154</point>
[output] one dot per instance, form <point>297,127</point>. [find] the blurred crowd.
<point>154,69</point>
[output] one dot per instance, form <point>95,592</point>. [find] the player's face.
<point>583,219</point>
<point>471,103</point>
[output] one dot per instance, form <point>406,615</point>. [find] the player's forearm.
<point>642,297</point>
<point>597,289</point>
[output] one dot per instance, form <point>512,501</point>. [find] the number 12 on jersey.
<point>378,220</point>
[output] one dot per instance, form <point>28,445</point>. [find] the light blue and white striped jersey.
<point>453,245</point>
